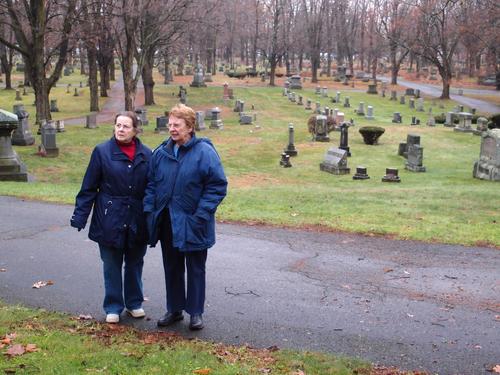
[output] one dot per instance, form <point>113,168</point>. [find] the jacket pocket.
<point>196,231</point>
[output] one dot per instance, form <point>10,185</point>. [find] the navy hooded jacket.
<point>114,187</point>
<point>190,186</point>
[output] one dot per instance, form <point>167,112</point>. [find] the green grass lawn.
<point>444,204</point>
<point>61,344</point>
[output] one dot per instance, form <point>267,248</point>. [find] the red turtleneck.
<point>128,148</point>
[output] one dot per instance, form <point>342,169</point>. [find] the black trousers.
<point>175,265</point>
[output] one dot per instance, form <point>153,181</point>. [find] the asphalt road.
<point>413,305</point>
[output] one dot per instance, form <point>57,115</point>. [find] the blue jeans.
<point>126,291</point>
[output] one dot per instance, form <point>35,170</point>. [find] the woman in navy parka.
<point>113,186</point>
<point>186,183</point>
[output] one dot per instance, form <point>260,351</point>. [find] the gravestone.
<point>81,84</point>
<point>346,102</point>
<point>449,120</point>
<point>339,118</point>
<point>326,111</point>
<point>162,125</point>
<point>372,89</point>
<point>295,83</point>
<point>11,167</point>
<point>337,97</point>
<point>285,92</point>
<point>76,92</point>
<point>320,133</point>
<point>417,93</point>
<point>60,126</point>
<point>308,104</point>
<point>200,121</point>
<point>216,122</point>
<point>67,88</point>
<point>182,95</point>
<point>48,148</point>
<point>142,116</point>
<point>411,103</point>
<point>318,90</point>
<point>361,173</point>
<point>25,92</point>
<point>324,92</point>
<point>473,111</point>
<point>414,161</point>
<point>299,102</point>
<point>285,160</point>
<point>22,134</point>
<point>369,113</point>
<point>53,105</point>
<point>410,92</point>
<point>361,109</point>
<point>394,95</point>
<point>318,108</point>
<point>383,93</point>
<point>414,121</point>
<point>431,121</point>
<point>488,165</point>
<point>411,139</point>
<point>292,99</point>
<point>239,106</point>
<point>464,123</point>
<point>420,105</point>
<point>344,138</point>
<point>225,94</point>
<point>18,95</point>
<point>402,99</point>
<point>91,121</point>
<point>245,119</point>
<point>208,78</point>
<point>290,148</point>
<point>397,119</point>
<point>335,162</point>
<point>391,175</point>
<point>482,126</point>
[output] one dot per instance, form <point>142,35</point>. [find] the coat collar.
<point>117,154</point>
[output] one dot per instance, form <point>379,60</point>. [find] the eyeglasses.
<point>123,126</point>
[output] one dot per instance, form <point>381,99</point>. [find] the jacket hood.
<point>168,144</point>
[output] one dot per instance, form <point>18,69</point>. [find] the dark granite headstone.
<point>391,175</point>
<point>361,174</point>
<point>321,129</point>
<point>142,116</point>
<point>415,158</point>
<point>48,148</point>
<point>22,134</point>
<point>162,125</point>
<point>344,138</point>
<point>285,160</point>
<point>216,122</point>
<point>290,149</point>
<point>488,165</point>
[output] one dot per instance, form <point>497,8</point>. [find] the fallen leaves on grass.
<point>202,371</point>
<point>3,270</point>
<point>40,284</point>
<point>85,317</point>
<point>16,349</point>
<point>496,369</point>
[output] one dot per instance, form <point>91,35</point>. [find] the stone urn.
<point>371,134</point>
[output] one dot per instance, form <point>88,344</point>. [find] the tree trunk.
<point>112,76</point>
<point>147,79</point>
<point>314,67</point>
<point>446,78</point>
<point>94,95</point>
<point>273,64</point>
<point>7,69</point>
<point>82,62</point>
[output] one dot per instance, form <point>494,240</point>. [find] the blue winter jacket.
<point>191,186</point>
<point>114,186</point>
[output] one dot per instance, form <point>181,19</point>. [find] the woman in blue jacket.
<point>113,186</point>
<point>186,183</point>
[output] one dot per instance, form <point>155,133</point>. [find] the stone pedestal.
<point>369,113</point>
<point>372,89</point>
<point>464,123</point>
<point>361,109</point>
<point>11,167</point>
<point>344,138</point>
<point>22,134</point>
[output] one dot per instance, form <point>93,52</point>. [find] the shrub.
<point>494,122</point>
<point>440,119</point>
<point>371,134</point>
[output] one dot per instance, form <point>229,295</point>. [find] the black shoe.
<point>196,322</point>
<point>170,318</point>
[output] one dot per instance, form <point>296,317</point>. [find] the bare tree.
<point>43,31</point>
<point>7,55</point>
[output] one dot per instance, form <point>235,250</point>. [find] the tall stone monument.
<point>198,77</point>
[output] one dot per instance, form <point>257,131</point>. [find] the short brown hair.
<point>186,113</point>
<point>131,115</point>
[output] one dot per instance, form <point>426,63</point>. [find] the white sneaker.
<point>137,313</point>
<point>112,318</point>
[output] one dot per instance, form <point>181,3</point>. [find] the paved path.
<point>410,304</point>
<point>435,90</point>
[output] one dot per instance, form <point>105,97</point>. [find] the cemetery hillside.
<point>360,229</point>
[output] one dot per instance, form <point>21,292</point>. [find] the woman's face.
<point>124,129</point>
<point>178,129</point>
